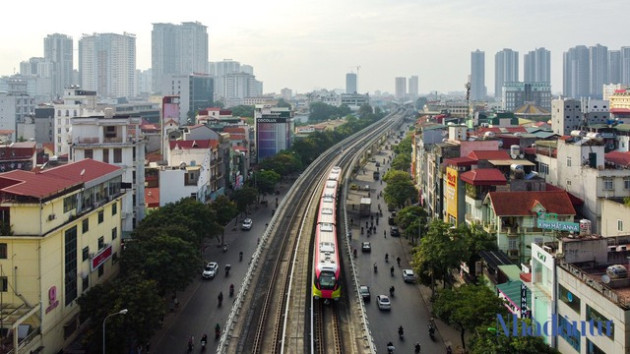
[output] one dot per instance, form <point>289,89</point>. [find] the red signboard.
<point>101,257</point>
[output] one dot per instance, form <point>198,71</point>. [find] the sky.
<point>305,45</point>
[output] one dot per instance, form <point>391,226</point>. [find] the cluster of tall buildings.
<point>406,89</point>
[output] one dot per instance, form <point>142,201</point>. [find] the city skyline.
<point>307,46</point>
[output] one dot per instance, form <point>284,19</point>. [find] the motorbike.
<point>225,248</point>
<point>417,348</point>
<point>390,348</point>
<point>227,269</point>
<point>432,332</point>
<point>204,340</point>
<point>401,333</point>
<point>391,291</point>
<point>231,290</point>
<point>217,333</point>
<point>375,268</point>
<point>220,298</point>
<point>386,258</point>
<point>391,270</point>
<point>240,256</point>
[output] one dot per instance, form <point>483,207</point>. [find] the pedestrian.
<point>384,233</point>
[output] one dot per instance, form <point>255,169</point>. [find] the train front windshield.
<point>327,280</point>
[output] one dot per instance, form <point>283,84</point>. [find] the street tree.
<point>225,209</point>
<point>266,181</point>
<point>492,340</point>
<point>441,250</point>
<point>467,307</point>
<point>399,189</point>
<point>476,240</point>
<point>171,261</point>
<point>145,310</point>
<point>402,162</point>
<point>244,197</point>
<point>284,163</point>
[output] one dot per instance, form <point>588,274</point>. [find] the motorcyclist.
<point>240,256</point>
<point>390,347</point>
<point>401,331</point>
<point>398,261</point>
<point>220,297</point>
<point>375,268</point>
<point>191,340</point>
<point>204,340</point>
<point>391,291</point>
<point>231,290</point>
<point>417,348</point>
<point>386,258</point>
<point>217,331</point>
<point>391,270</point>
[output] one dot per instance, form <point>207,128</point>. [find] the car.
<point>247,224</point>
<point>383,303</point>
<point>378,164</point>
<point>408,276</point>
<point>366,247</point>
<point>364,290</point>
<point>391,219</point>
<point>394,231</point>
<point>210,270</point>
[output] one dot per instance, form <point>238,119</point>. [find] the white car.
<point>383,303</point>
<point>247,224</point>
<point>408,276</point>
<point>210,270</point>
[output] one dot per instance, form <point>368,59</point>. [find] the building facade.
<point>516,94</point>
<point>401,88</point>
<point>351,83</point>
<point>576,75</point>
<point>537,66</point>
<point>477,80</point>
<point>107,64</point>
<point>505,69</point>
<point>59,50</point>
<point>273,130</point>
<point>195,91</point>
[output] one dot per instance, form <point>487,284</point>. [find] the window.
<point>101,270</point>
<point>592,348</point>
<point>69,203</point>
<point>513,244</point>
<point>85,227</point>
<point>3,251</point>
<point>86,253</point>
<point>619,225</point>
<point>114,233</point>
<point>543,168</point>
<point>101,216</point>
<point>568,182</point>
<point>570,333</point>
<point>117,155</point>
<point>85,283</point>
<point>89,154</point>
<point>608,184</point>
<point>114,208</point>
<point>568,161</point>
<point>101,242</point>
<point>592,314</point>
<point>70,260</point>
<point>626,183</point>
<point>569,298</point>
<point>106,155</point>
<point>4,284</point>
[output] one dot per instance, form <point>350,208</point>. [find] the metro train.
<point>326,268</point>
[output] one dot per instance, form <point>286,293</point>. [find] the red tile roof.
<point>47,183</point>
<point>489,155</point>
<point>522,203</point>
<point>502,130</point>
<point>484,177</point>
<point>618,158</point>
<point>234,130</point>
<point>459,161</point>
<point>575,200</point>
<point>193,144</point>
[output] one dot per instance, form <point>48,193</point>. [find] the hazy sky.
<point>305,44</point>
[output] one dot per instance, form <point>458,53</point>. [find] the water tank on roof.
<point>585,227</point>
<point>518,134</point>
<point>577,133</point>
<point>595,136</point>
<point>515,150</point>
<point>617,271</point>
<point>517,168</point>
<point>488,135</point>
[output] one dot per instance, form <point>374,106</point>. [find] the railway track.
<point>271,314</point>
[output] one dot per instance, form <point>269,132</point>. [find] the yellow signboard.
<point>450,195</point>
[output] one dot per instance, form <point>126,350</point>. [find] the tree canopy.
<point>242,111</point>
<point>399,189</point>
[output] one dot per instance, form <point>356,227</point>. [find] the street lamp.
<point>121,312</point>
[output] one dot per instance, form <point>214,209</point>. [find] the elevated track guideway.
<point>275,312</point>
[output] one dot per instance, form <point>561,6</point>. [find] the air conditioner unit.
<point>52,217</point>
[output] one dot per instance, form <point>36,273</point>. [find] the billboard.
<point>450,194</point>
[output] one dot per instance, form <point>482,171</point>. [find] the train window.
<point>327,211</point>
<point>327,280</point>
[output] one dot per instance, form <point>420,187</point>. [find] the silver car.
<point>408,276</point>
<point>383,303</point>
<point>210,270</point>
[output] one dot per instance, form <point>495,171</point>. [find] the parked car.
<point>383,303</point>
<point>364,290</point>
<point>390,220</point>
<point>210,270</point>
<point>366,247</point>
<point>408,276</point>
<point>247,224</point>
<point>394,231</point>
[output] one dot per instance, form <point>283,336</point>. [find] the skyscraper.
<point>505,69</point>
<point>413,87</point>
<point>537,66</point>
<point>107,64</point>
<point>58,50</point>
<point>575,68</point>
<point>178,50</point>
<point>614,66</point>
<point>401,88</point>
<point>477,75</point>
<point>598,69</point>
<point>625,66</point>
<point>351,83</point>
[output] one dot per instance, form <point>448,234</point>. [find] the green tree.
<point>266,181</point>
<point>402,162</point>
<point>244,197</point>
<point>476,240</point>
<point>467,307</point>
<point>492,340</point>
<point>145,310</point>
<point>170,261</point>
<point>284,163</point>
<point>440,250</point>
<point>365,110</point>
<point>320,111</point>
<point>225,209</point>
<point>399,189</point>
<point>412,220</point>
<point>242,111</point>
